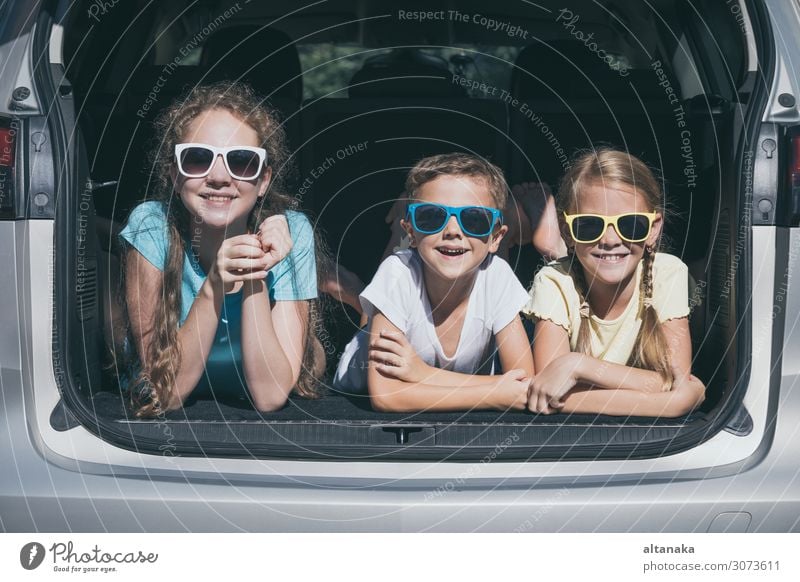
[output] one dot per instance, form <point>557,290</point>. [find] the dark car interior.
<point>343,73</point>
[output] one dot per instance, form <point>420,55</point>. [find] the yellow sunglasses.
<point>632,227</point>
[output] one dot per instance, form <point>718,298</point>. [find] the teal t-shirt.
<point>292,279</point>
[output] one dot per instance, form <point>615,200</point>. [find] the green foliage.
<point>328,68</point>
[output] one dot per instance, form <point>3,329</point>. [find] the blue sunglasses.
<point>476,221</point>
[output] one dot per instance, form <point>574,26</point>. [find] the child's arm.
<point>273,338</point>
<point>562,370</point>
<point>513,347</point>
<point>273,343</point>
<point>399,381</point>
<point>687,393</point>
<point>143,292</point>
<point>391,347</point>
<point>344,286</point>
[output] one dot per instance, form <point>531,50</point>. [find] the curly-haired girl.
<point>220,271</point>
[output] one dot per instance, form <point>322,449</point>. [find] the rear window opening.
<point>329,69</point>
<point>526,102</point>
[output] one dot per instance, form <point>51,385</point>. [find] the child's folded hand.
<point>551,385</point>
<point>240,258</point>
<point>393,356</point>
<point>276,242</point>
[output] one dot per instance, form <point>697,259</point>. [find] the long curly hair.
<point>158,369</point>
<point>612,166</point>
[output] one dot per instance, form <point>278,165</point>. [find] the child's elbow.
<point>271,393</point>
<point>384,398</point>
<point>174,403</point>
<point>685,402</point>
<point>382,402</point>
<point>176,399</point>
<point>269,399</point>
<point>269,405</point>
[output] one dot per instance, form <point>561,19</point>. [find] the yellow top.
<point>553,297</point>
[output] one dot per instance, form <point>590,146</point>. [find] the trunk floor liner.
<point>356,409</point>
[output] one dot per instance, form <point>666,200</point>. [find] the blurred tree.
<point>328,68</point>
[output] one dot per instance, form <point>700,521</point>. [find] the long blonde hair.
<point>153,386</point>
<point>610,166</point>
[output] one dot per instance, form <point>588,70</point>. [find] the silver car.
<point>707,95</point>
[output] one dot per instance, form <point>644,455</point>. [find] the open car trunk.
<point>347,427</point>
<point>688,106</point>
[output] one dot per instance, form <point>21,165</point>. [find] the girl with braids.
<point>220,269</point>
<point>612,334</point>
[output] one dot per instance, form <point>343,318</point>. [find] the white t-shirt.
<point>398,292</point>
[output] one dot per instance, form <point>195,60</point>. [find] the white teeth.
<point>452,252</point>
<point>218,198</point>
<point>611,258</point>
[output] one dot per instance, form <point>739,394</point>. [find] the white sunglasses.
<point>195,160</point>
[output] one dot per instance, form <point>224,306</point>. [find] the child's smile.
<point>452,252</point>
<point>616,258</point>
<point>218,198</point>
<point>611,257</point>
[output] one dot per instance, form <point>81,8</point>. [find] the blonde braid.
<point>646,284</point>
<point>652,351</point>
<point>584,342</point>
